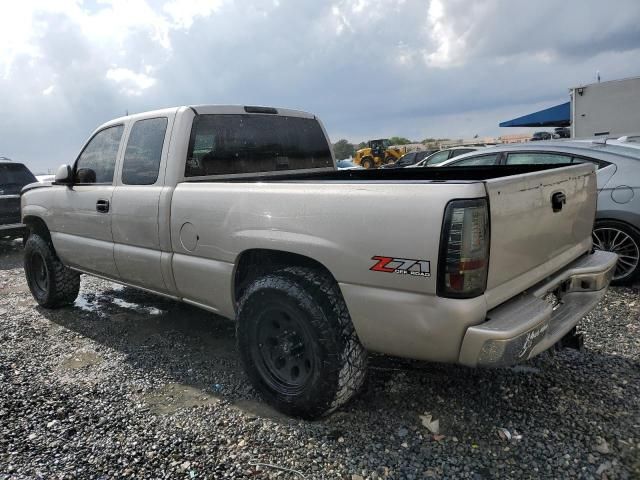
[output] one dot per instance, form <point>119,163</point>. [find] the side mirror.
<point>63,175</point>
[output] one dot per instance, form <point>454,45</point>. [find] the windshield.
<point>14,176</point>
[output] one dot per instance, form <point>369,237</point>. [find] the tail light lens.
<point>464,249</point>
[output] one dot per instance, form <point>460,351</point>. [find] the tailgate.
<point>533,233</point>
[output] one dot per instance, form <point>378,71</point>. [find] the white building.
<point>609,108</point>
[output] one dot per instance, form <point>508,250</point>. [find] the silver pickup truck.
<point>240,211</point>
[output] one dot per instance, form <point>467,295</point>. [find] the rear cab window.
<point>14,176</point>
<point>225,144</point>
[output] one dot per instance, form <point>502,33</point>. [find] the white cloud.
<point>184,12</point>
<point>130,83</point>
<point>450,44</point>
<point>368,68</point>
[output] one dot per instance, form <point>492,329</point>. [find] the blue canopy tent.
<point>558,116</point>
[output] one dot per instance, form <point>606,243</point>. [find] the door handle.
<point>558,199</point>
<point>102,206</point>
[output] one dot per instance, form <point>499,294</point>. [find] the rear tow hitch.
<point>572,339</point>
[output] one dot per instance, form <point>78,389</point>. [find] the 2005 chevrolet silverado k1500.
<point>240,211</point>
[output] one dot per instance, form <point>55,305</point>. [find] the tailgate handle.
<point>558,199</point>
<point>102,206</point>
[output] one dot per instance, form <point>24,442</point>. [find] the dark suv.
<point>13,176</point>
<point>410,158</point>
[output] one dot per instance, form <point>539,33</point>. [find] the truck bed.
<point>432,174</point>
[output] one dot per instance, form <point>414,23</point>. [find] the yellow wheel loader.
<point>376,153</point>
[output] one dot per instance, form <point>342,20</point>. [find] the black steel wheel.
<point>38,273</point>
<point>620,238</point>
<point>286,354</point>
<point>51,283</point>
<point>297,343</point>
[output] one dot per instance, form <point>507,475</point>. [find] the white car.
<point>45,178</point>
<point>443,155</point>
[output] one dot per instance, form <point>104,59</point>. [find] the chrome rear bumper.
<point>538,318</point>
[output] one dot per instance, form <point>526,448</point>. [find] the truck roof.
<point>209,109</point>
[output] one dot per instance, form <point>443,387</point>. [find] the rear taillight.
<point>464,249</point>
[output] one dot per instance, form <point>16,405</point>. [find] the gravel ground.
<point>128,384</point>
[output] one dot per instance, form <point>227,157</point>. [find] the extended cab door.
<point>82,230</point>
<point>136,230</point>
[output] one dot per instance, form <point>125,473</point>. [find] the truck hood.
<point>34,185</point>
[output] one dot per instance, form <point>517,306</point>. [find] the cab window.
<point>407,159</point>
<point>144,152</point>
<point>528,158</point>
<point>97,161</point>
<point>422,155</point>
<point>598,163</point>
<point>482,160</point>
<point>462,151</point>
<point>438,157</point>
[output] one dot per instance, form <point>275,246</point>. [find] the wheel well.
<point>36,225</point>
<point>254,263</point>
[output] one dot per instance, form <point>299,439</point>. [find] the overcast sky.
<point>368,68</point>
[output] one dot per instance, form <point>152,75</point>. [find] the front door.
<point>82,233</point>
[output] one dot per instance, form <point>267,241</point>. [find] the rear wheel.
<point>620,238</point>
<point>297,342</point>
<point>367,163</point>
<point>51,283</point>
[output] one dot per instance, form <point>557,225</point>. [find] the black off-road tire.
<point>51,283</point>
<point>335,360</point>
<point>367,163</point>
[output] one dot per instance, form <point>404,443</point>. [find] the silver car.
<point>442,156</point>
<point>617,226</point>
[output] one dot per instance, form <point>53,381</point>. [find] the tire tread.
<point>64,283</point>
<point>308,285</point>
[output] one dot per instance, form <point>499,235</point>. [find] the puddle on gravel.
<point>81,359</point>
<point>98,302</point>
<point>174,396</point>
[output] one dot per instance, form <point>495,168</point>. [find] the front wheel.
<point>51,283</point>
<point>367,163</point>
<point>620,238</point>
<point>297,342</point>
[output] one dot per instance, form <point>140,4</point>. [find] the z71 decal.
<point>402,266</point>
